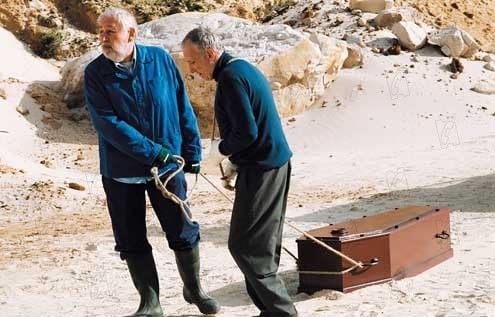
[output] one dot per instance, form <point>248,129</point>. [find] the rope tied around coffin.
<point>185,209</point>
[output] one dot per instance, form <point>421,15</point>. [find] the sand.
<point>380,138</point>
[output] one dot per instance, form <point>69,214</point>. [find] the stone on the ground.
<point>410,35</point>
<point>355,56</point>
<point>490,66</point>
<point>486,87</point>
<point>454,42</point>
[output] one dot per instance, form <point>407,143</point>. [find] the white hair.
<point>122,16</point>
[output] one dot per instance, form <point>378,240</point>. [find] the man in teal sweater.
<point>252,138</point>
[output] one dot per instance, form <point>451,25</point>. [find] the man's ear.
<point>211,54</point>
<point>132,34</point>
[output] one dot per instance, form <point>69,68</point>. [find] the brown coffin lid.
<point>374,225</point>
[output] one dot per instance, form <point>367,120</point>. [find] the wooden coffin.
<point>391,245</point>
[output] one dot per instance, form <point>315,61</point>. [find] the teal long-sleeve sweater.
<point>247,117</point>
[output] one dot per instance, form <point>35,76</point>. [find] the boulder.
<point>72,74</point>
<point>410,35</point>
<point>454,42</point>
<point>375,6</point>
<point>299,66</point>
<point>387,18</point>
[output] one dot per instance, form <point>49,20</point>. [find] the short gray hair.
<point>203,38</point>
<point>124,17</point>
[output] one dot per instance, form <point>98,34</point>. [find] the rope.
<point>183,205</point>
<point>162,187</point>
<point>352,268</point>
<point>356,264</point>
<point>326,246</point>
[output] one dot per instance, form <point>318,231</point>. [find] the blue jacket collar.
<point>142,57</point>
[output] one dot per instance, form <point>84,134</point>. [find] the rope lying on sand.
<point>185,209</point>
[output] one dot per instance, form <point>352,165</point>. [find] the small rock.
<point>355,56</point>
<point>469,14</point>
<point>490,66</point>
<point>22,110</point>
<point>485,87</point>
<point>357,12</point>
<point>76,186</point>
<point>292,120</point>
<point>456,66</point>
<point>454,76</point>
<point>395,49</point>
<point>276,85</point>
<point>3,94</point>
<point>488,58</point>
<point>90,247</point>
<point>361,22</point>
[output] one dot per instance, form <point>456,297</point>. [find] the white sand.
<point>396,142</point>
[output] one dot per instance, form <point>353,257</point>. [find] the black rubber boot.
<point>145,278</point>
<point>188,264</point>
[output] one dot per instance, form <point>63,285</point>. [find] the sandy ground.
<point>384,136</point>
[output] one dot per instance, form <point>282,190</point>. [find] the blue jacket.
<point>247,117</point>
<point>134,115</point>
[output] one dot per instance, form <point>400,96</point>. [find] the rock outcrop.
<point>298,66</point>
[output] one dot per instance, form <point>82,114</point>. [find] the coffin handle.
<point>443,235</point>
<point>372,262</point>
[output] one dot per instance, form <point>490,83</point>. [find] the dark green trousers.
<point>256,234</point>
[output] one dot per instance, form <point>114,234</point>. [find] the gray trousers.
<point>255,238</point>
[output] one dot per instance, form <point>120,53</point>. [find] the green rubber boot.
<point>188,264</point>
<point>145,278</point>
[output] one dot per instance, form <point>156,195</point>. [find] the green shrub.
<point>49,43</point>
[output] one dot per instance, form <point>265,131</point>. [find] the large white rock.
<point>298,66</point>
<point>375,6</point>
<point>454,42</point>
<point>410,35</point>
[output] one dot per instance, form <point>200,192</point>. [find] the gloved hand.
<point>192,167</point>
<point>215,156</point>
<point>229,173</point>
<point>164,157</point>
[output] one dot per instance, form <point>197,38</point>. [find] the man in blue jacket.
<point>252,138</point>
<point>141,112</point>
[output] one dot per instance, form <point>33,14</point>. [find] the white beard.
<point>116,56</point>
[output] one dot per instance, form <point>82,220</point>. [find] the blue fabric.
<point>247,117</point>
<point>127,208</point>
<point>136,114</point>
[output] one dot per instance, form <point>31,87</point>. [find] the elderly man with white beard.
<point>142,114</point>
